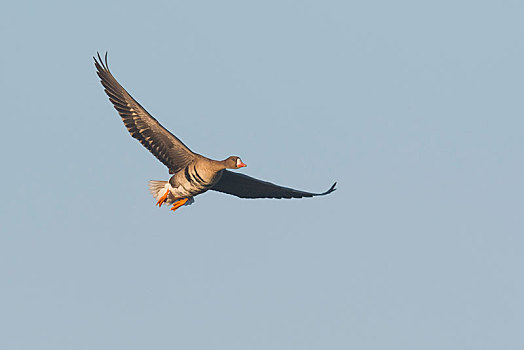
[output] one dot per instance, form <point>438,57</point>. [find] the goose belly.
<point>189,182</point>
<point>183,192</point>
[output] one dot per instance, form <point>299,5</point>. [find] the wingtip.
<point>99,61</point>
<point>332,188</point>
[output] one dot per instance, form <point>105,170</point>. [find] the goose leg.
<point>162,199</point>
<point>179,203</point>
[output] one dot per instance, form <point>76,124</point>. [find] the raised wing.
<point>244,186</point>
<point>141,125</point>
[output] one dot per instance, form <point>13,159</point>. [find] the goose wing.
<point>141,125</point>
<point>244,186</point>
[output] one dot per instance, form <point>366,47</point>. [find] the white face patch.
<point>238,162</point>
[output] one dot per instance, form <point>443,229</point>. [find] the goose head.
<point>234,162</point>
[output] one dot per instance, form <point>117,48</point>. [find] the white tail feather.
<point>155,187</point>
<point>159,188</point>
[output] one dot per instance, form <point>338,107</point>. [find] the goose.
<point>192,173</point>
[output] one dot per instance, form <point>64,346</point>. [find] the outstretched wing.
<point>141,125</point>
<point>244,186</point>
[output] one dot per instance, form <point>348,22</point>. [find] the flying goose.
<point>193,174</point>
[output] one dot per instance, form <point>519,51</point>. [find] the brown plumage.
<point>193,174</point>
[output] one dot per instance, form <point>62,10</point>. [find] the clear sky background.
<point>415,108</point>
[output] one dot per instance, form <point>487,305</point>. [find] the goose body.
<point>192,173</point>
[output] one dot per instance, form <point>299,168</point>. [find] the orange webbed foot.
<point>162,199</point>
<point>179,203</point>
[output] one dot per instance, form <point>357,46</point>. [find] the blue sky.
<point>415,108</point>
